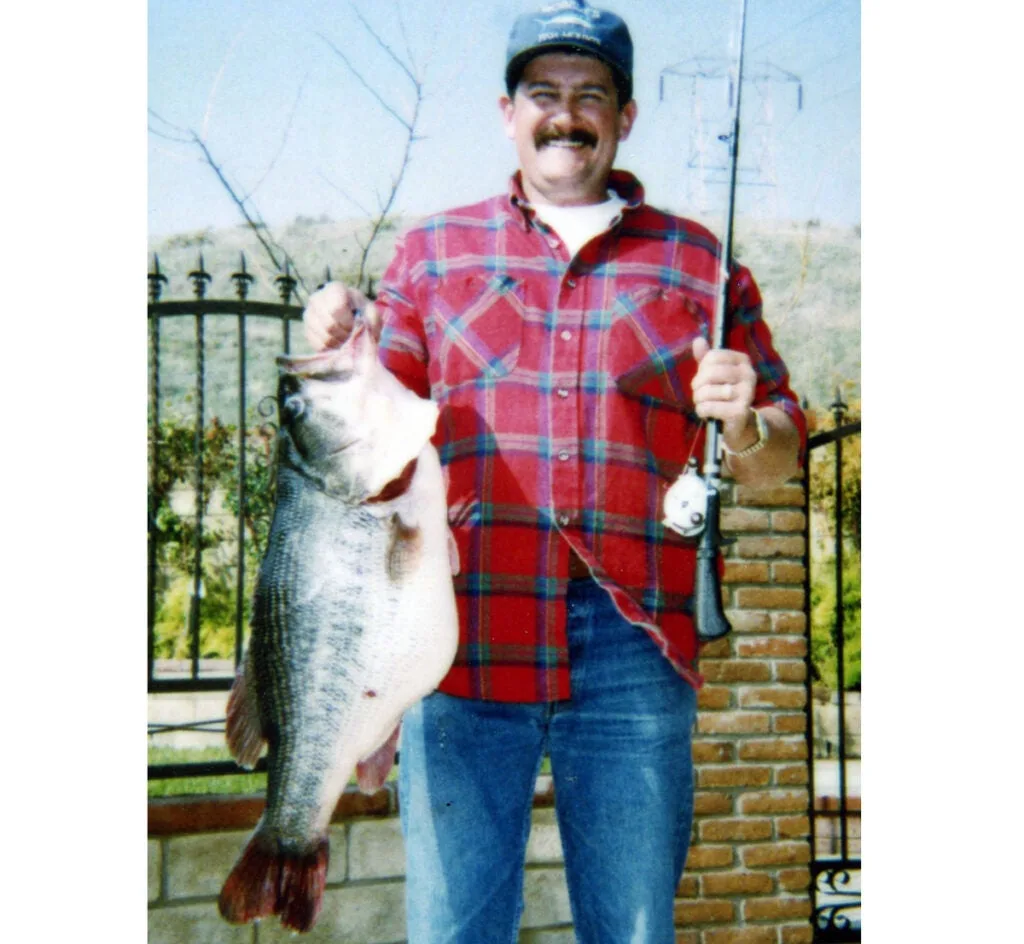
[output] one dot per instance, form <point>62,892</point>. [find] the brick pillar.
<point>747,880</point>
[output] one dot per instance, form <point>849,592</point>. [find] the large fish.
<point>354,615</point>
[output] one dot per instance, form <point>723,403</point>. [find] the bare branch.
<point>345,194</point>
<point>383,45</point>
<point>255,223</point>
<point>284,140</point>
<point>383,104</point>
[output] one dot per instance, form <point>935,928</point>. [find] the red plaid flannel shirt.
<point>564,390</point>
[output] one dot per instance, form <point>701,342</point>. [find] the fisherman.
<point>562,327</point>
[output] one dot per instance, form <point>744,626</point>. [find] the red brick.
<point>744,519</point>
<point>736,883</point>
<point>787,572</point>
<point>769,546</point>
<point>791,776</point>
<point>793,827</point>
<point>769,598</point>
<point>711,804</point>
<point>776,496</point>
<point>750,621</point>
<point>786,622</point>
<point>746,572</point>
<point>734,830</point>
<point>714,698</point>
<point>713,752</point>
<point>760,935</point>
<point>745,776</point>
<point>804,934</point>
<point>789,724</point>
<point>777,749</point>
<point>688,887</point>
<point>788,521</point>
<point>794,880</point>
<point>687,937</point>
<point>790,672</point>
<point>772,647</point>
<point>776,854</point>
<point>717,648</point>
<point>734,722</point>
<point>764,909</point>
<point>705,912</point>
<point>709,857</point>
<point>791,801</point>
<point>735,671</point>
<point>771,698</point>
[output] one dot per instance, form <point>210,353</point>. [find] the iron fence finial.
<point>156,280</point>
<point>242,280</point>
<point>200,278</point>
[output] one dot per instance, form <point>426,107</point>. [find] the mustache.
<point>575,136</point>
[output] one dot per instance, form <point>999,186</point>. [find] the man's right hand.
<point>330,314</point>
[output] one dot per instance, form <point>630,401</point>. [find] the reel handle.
<point>708,613</point>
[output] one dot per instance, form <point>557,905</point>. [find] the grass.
<point>241,783</point>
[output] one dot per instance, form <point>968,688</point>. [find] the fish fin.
<point>270,879</point>
<point>453,553</point>
<point>406,545</point>
<point>243,730</point>
<point>372,771</point>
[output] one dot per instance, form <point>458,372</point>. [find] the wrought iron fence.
<point>833,732</point>
<point>211,400</point>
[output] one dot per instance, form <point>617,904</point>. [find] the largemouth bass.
<point>354,614</point>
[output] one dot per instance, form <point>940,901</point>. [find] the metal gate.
<point>832,590</point>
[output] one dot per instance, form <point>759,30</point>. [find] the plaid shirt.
<point>564,390</point>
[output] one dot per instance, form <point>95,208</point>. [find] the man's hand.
<point>330,314</point>
<point>723,389</point>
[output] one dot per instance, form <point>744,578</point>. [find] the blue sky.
<point>289,123</point>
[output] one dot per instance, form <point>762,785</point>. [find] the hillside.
<point>809,276</point>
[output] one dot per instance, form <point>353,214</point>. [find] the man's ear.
<point>626,119</point>
<point>508,110</point>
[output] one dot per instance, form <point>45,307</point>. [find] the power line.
<point>789,29</point>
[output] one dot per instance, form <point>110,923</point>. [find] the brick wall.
<point>747,879</point>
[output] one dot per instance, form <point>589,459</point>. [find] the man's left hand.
<point>723,389</point>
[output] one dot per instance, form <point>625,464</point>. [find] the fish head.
<point>351,422</point>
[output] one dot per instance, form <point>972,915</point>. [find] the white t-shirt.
<point>577,225</point>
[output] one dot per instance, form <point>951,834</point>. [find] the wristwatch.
<point>759,443</point>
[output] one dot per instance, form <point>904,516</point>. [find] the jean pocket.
<point>479,325</point>
<point>651,344</point>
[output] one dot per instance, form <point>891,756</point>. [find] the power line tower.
<point>712,92</point>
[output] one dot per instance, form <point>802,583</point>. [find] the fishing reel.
<point>686,503</point>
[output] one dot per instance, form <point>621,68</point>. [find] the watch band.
<point>762,439</point>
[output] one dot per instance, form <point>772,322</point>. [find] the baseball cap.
<point>573,26</point>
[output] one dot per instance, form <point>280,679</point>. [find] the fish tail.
<point>270,878</point>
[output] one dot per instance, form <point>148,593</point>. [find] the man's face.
<point>566,123</point>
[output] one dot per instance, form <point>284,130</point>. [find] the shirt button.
<point>563,456</point>
<point>566,335</point>
<point>571,283</point>
<point>562,392</point>
<point>553,243</point>
<point>563,520</point>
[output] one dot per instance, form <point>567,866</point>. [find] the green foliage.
<point>180,786</point>
<point>824,648</point>
<point>175,533</point>
<point>823,478</point>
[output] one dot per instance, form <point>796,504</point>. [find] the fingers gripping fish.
<point>353,619</point>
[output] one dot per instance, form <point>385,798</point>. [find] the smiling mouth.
<point>573,141</point>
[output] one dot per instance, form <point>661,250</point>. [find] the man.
<point>562,329</point>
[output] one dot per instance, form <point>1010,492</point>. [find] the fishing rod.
<point>692,505</point>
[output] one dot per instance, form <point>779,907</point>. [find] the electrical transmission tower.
<point>712,93</point>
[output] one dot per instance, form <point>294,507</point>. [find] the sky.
<point>265,85</point>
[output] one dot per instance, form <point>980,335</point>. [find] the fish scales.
<point>353,617</point>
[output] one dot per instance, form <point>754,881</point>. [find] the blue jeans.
<point>623,775</point>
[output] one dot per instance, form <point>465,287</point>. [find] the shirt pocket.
<point>651,345</point>
<point>478,329</point>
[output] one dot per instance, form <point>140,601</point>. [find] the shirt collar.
<point>621,181</point>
